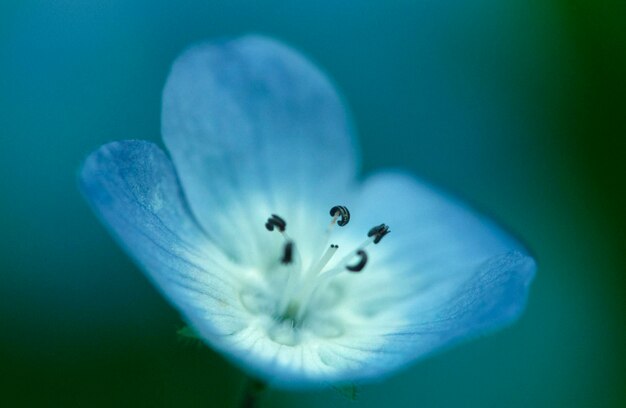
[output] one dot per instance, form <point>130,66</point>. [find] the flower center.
<point>304,289</point>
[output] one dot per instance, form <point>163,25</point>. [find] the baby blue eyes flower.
<point>255,228</point>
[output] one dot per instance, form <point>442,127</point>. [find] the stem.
<point>252,393</point>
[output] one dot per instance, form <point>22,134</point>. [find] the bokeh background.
<point>518,106</point>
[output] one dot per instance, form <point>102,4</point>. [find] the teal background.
<point>516,106</point>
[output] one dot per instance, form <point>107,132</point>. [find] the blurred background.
<point>518,106</point>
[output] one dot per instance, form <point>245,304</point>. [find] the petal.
<point>431,232</point>
<point>252,124</point>
<point>489,297</point>
<point>132,187</point>
<point>493,295</point>
<point>442,275</point>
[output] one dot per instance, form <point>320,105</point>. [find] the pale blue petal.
<point>132,187</point>
<point>431,232</point>
<point>252,124</point>
<point>489,297</point>
<point>443,274</point>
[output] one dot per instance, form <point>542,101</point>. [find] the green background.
<point>517,106</point>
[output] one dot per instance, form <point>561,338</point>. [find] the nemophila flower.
<point>256,229</point>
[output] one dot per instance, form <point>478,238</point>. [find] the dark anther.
<point>359,266</point>
<point>378,232</point>
<point>287,253</point>
<point>275,221</point>
<point>343,213</point>
<point>334,246</point>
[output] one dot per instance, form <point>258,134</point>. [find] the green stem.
<point>252,393</point>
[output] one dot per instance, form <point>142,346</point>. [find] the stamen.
<point>290,251</point>
<point>303,285</point>
<point>340,211</point>
<point>361,264</point>
<point>291,260</point>
<point>378,232</point>
<point>275,221</point>
<point>341,217</point>
<point>287,253</point>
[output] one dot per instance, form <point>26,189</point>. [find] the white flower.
<point>253,130</point>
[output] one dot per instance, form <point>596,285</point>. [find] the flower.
<point>256,230</point>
